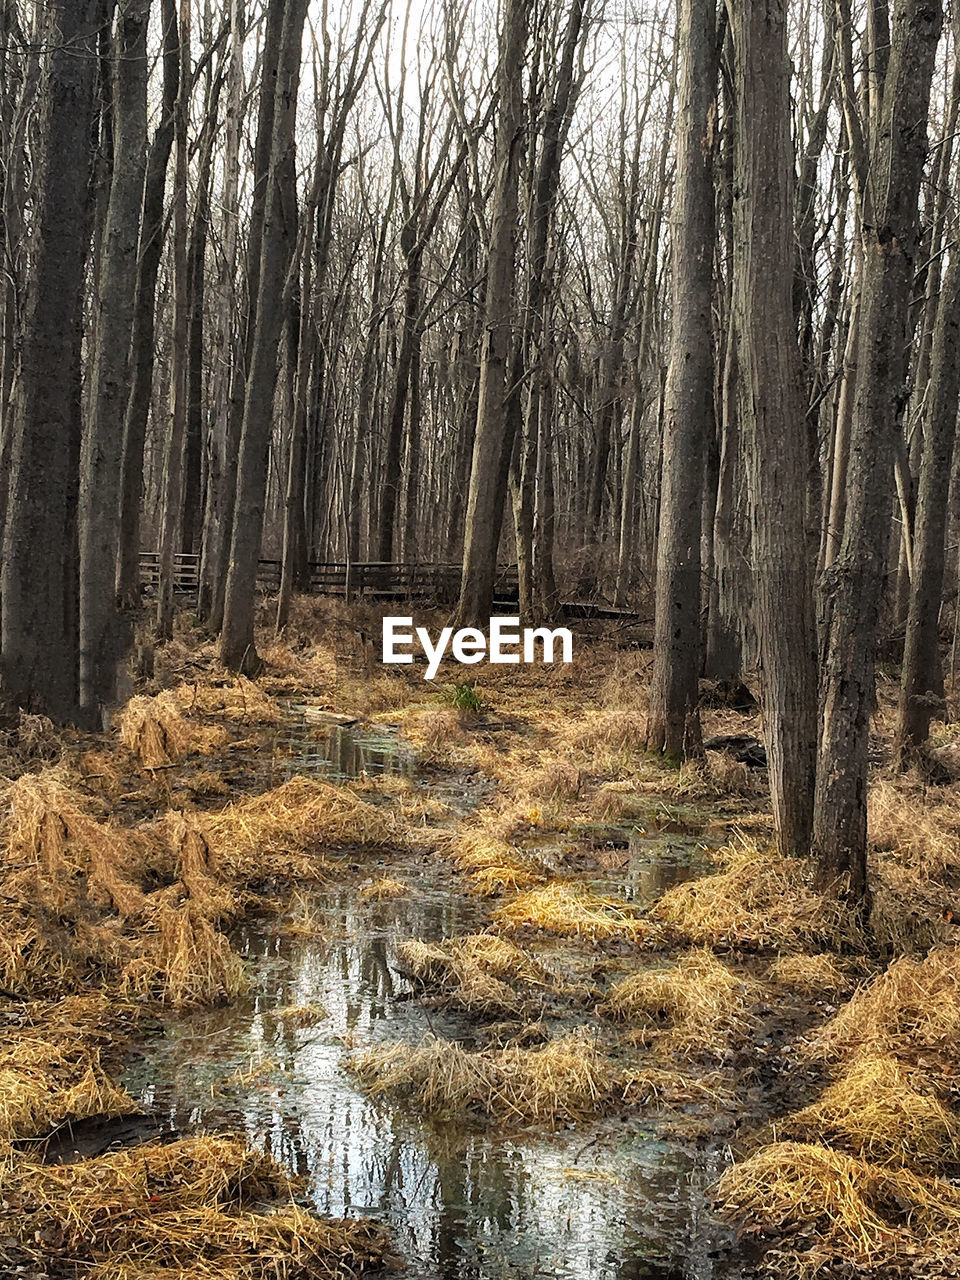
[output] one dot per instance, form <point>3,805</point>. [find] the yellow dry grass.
<point>241,701</point>
<point>45,1081</point>
<point>435,731</point>
<point>610,732</point>
<point>67,881</point>
<point>482,973</point>
<point>843,1206</point>
<point>757,900</point>
<point>385,889</point>
<point>912,1008</point>
<point>193,1207</point>
<point>158,734</point>
<point>300,1015</point>
<point>299,817</point>
<point>702,1002</point>
<point>919,823</point>
<point>493,864</point>
<point>567,1079</point>
<point>876,1111</point>
<point>812,975</point>
<point>185,960</point>
<point>567,907</point>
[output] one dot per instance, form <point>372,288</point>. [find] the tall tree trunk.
<point>853,586</point>
<point>222,439</point>
<point>101,642</point>
<point>171,508</point>
<point>217,554</point>
<point>409,338</point>
<point>922,679</point>
<point>496,421</point>
<point>144,308</point>
<point>39,569</point>
<point>673,723</point>
<point>769,366</point>
<point>294,531</point>
<point>237,649</point>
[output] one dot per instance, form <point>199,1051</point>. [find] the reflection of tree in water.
<point>462,1203</point>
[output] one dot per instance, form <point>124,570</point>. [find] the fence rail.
<point>375,580</point>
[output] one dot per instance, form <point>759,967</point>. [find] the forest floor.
<point>478,910</point>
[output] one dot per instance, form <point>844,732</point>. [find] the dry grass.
<point>758,900</point>
<point>158,735</point>
<point>565,1080</point>
<point>67,881</point>
<point>240,701</point>
<point>300,1015</point>
<point>436,732</point>
<point>48,1079</point>
<point>811,975</point>
<point>877,1113</point>
<point>383,890</point>
<point>612,731</point>
<point>493,864</point>
<point>299,817</point>
<point>187,1208</point>
<point>919,823</point>
<point>842,1206</point>
<point>186,961</point>
<point>482,973</point>
<point>912,1008</point>
<point>703,1003</point>
<point>567,907</point>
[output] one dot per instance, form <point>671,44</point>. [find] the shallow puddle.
<point>606,1201</point>
<point>310,741</point>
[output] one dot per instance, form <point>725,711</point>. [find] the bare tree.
<point>852,587</point>
<point>673,723</point>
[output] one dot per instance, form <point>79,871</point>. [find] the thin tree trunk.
<point>769,365</point>
<point>237,649</point>
<point>853,587</point>
<point>496,421</point>
<point>101,642</point>
<point>172,493</point>
<point>673,722</point>
<point>922,679</point>
<point>142,342</point>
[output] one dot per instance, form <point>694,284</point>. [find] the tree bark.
<point>852,588</point>
<point>144,308</point>
<point>922,680</point>
<point>101,642</point>
<point>496,419</point>
<point>769,365</point>
<point>673,723</point>
<point>39,570</point>
<point>237,649</point>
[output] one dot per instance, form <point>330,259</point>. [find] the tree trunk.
<point>101,643</point>
<point>221,440</point>
<point>237,649</point>
<point>853,586</point>
<point>142,342</point>
<point>39,569</point>
<point>776,447</point>
<point>922,679</point>
<point>172,491</point>
<point>496,421</point>
<point>673,724</point>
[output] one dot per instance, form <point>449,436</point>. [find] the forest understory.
<point>739,1009</point>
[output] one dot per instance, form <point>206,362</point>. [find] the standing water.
<point>600,1201</point>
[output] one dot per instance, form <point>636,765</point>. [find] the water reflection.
<point>603,1202</point>
<point>309,742</point>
